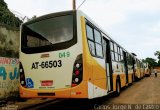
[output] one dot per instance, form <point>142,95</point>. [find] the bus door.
<point>134,72</point>
<point>108,65</point>
<point>125,66</point>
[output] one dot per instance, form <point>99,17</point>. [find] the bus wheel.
<point>118,88</point>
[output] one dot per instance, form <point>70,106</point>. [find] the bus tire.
<point>118,88</point>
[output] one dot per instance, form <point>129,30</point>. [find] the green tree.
<point>157,53</point>
<point>3,4</point>
<point>7,17</point>
<point>151,61</point>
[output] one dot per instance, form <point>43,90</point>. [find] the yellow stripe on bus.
<point>92,69</point>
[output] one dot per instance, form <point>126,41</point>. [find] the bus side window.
<point>119,54</point>
<point>116,52</point>
<point>116,56</point>
<point>111,45</point>
<point>89,32</point>
<point>112,55</point>
<point>94,41</point>
<point>112,51</point>
<point>90,37</point>
<point>99,51</point>
<point>115,47</point>
<point>92,47</point>
<point>98,43</point>
<point>97,35</point>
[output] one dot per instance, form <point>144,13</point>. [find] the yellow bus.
<point>142,69</point>
<point>147,69</point>
<point>138,69</point>
<point>67,55</point>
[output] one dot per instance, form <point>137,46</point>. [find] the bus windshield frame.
<point>31,31</point>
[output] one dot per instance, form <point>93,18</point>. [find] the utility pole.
<point>74,4</point>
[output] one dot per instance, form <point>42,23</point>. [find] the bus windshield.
<point>48,31</point>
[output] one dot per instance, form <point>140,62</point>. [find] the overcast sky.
<point>134,24</point>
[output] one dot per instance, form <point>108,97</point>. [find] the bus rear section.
<point>51,58</point>
<point>147,69</point>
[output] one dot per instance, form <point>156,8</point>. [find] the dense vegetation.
<point>153,61</point>
<point>9,32</point>
<point>7,17</point>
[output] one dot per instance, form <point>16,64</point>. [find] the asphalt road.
<point>140,96</point>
